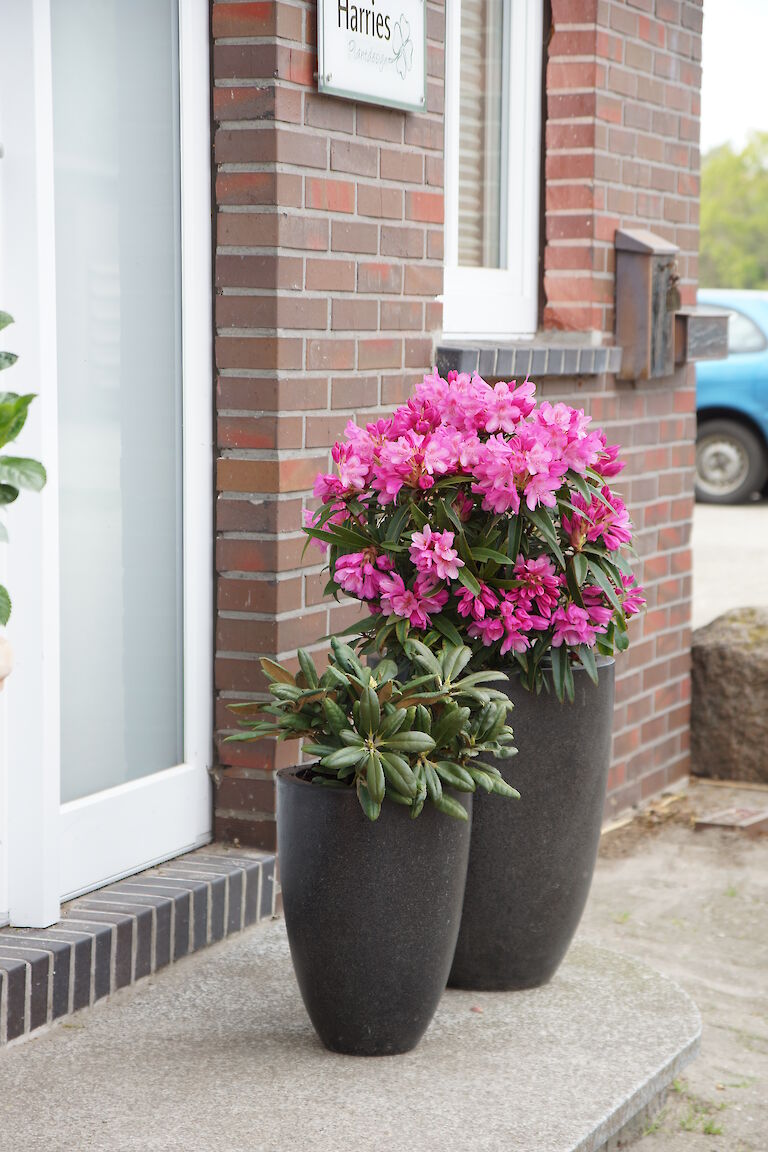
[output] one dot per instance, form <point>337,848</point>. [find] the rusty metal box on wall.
<point>647,299</point>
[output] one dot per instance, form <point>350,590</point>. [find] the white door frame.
<point>55,851</point>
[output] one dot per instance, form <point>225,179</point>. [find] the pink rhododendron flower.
<point>633,595</point>
<point>495,477</point>
<point>434,552</point>
<point>488,630</point>
<point>596,604</point>
<point>608,463</point>
<point>609,521</point>
<point>508,406</point>
<point>573,626</point>
<point>541,584</point>
<point>414,605</point>
<point>360,573</point>
<point>413,461</point>
<point>476,606</point>
<point>416,416</point>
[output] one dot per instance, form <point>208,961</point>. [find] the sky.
<point>733,91</point>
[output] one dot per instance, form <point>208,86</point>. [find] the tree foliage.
<point>734,216</point>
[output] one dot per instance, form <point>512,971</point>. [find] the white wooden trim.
<point>491,302</point>
<point>197,361</point>
<point>167,813</point>
<point>121,830</point>
<point>57,850</point>
<point>33,690</point>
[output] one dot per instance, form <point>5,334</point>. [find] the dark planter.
<point>531,860</point>
<point>372,912</point>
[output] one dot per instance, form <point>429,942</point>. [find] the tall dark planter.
<point>531,861</point>
<point>372,912</point>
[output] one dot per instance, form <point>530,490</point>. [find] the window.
<point>493,114</point>
<point>743,334</point>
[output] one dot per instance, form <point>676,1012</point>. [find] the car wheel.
<point>731,462</point>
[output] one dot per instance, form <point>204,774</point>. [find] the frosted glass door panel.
<point>116,154</point>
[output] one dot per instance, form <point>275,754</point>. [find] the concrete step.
<point>217,1053</point>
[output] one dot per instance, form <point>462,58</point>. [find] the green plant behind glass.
<point>15,471</point>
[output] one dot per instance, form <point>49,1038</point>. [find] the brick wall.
<point>328,264</point>
<point>329,245</point>
<point>623,80</point>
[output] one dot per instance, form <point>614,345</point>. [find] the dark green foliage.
<point>15,471</point>
<point>402,738</point>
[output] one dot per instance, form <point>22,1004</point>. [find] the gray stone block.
<point>729,699</point>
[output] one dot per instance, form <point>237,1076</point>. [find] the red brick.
<point>348,156</point>
<point>424,206</point>
<point>405,166</point>
<point>380,123</point>
<point>324,112</point>
<point>402,241</point>
<point>380,353</point>
<point>330,355</point>
<point>354,237</point>
<point>330,275</point>
<point>385,278</point>
<point>329,195</point>
<point>355,314</point>
<point>375,200</point>
<point>354,392</point>
<point>403,315</point>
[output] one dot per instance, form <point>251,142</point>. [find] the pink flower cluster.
<point>498,452</point>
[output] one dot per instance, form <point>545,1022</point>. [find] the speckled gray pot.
<point>531,860</point>
<point>372,912</point>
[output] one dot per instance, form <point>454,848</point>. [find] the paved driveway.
<point>730,559</point>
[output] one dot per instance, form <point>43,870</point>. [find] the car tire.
<point>731,462</point>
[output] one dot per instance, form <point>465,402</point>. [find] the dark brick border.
<point>119,934</point>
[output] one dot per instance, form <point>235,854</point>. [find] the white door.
<point>105,264</point>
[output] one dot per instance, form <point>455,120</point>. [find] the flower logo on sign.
<point>403,46</point>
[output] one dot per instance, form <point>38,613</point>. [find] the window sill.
<point>545,355</point>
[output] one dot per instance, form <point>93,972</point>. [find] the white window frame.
<point>55,851</point>
<point>498,303</point>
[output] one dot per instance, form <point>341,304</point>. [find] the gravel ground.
<point>730,559</point>
<point>694,905</point>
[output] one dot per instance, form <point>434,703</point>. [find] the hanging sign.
<point>375,51</point>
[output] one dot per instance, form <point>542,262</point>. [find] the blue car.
<point>732,402</point>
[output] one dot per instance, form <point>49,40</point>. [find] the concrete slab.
<point>218,1054</point>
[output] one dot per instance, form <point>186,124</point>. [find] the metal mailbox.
<point>647,299</point>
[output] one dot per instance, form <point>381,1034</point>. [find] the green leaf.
<point>451,807</point>
<point>491,554</point>
<point>5,605</point>
<point>370,715</point>
<point>579,564</point>
<point>371,808</point>
<point>8,494</point>
<point>514,536</point>
<point>559,658</point>
<point>580,484</point>
<point>7,359</point>
<point>543,522</point>
<point>455,776</point>
<point>587,657</point>
<point>415,650</point>
<point>602,580</point>
<point>397,523</point>
<point>469,581</point>
<point>410,742</point>
<point>375,778</point>
<point>501,788</point>
<point>344,758</point>
<point>308,668</point>
<point>445,628</point>
<point>5,320</point>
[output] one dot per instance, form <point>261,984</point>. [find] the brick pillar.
<point>329,245</point>
<point>623,80</point>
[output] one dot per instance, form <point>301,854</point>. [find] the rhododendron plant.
<point>476,515</point>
